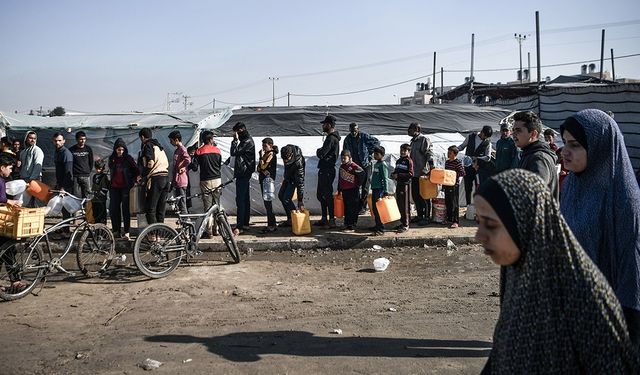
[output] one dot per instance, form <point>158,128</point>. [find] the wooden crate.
<point>20,222</point>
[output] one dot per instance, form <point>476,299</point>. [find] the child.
<point>349,185</point>
<point>452,193</point>
<point>402,174</point>
<point>100,186</point>
<point>14,284</point>
<point>267,168</point>
<point>378,186</point>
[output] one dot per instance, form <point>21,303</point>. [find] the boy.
<point>180,173</point>
<point>100,187</point>
<point>452,193</point>
<point>349,181</point>
<point>378,186</point>
<point>403,174</point>
<point>14,284</point>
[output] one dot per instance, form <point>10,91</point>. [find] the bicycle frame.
<point>202,219</point>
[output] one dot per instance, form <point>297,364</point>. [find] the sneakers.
<point>126,236</point>
<point>416,219</point>
<point>268,229</point>
<point>348,229</point>
<point>285,224</point>
<point>454,225</point>
<point>402,229</point>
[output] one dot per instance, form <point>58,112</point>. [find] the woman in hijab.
<point>559,315</point>
<point>600,201</point>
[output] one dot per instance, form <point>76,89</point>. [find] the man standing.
<point>208,159</point>
<point>82,165</point>
<point>31,159</point>
<point>361,146</point>
<point>155,175</point>
<point>537,156</point>
<point>244,151</point>
<point>63,162</point>
<point>506,150</point>
<point>478,147</point>
<point>180,175</point>
<point>327,158</point>
<point>422,156</point>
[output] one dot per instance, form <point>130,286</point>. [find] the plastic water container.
<point>269,187</point>
<point>439,212</point>
<point>388,209</point>
<point>54,207</point>
<point>338,205</point>
<point>428,189</point>
<point>300,222</point>
<point>39,190</point>
<point>16,187</point>
<point>443,177</point>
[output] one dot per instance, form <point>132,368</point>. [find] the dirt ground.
<point>431,312</point>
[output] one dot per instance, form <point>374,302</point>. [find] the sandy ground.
<point>431,312</point>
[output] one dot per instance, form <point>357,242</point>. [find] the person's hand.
<point>182,170</point>
<point>385,194</point>
<point>394,176</point>
<point>228,161</point>
<point>13,202</point>
<point>300,206</point>
<point>235,136</point>
<point>138,179</point>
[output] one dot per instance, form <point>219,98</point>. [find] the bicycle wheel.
<point>20,270</point>
<point>96,249</point>
<point>158,250</point>
<point>224,228</point>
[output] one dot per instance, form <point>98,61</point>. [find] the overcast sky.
<point>107,56</point>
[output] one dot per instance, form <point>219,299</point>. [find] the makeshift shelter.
<point>301,126</point>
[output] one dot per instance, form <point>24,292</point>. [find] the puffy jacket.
<point>294,171</point>
<point>328,153</point>
<point>244,151</point>
<point>361,147</point>
<point>540,159</point>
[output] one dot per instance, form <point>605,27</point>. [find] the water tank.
<point>525,75</point>
<point>592,68</point>
<point>583,69</point>
<point>418,86</point>
<point>547,79</point>
<point>519,75</point>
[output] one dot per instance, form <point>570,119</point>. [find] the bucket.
<point>388,209</point>
<point>300,222</point>
<point>428,190</point>
<point>39,190</point>
<point>338,205</point>
<point>443,177</point>
<point>439,212</point>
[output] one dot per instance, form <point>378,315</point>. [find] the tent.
<point>286,125</point>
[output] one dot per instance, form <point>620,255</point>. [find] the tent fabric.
<point>373,119</point>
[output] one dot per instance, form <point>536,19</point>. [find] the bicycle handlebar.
<point>208,192</point>
<point>64,192</point>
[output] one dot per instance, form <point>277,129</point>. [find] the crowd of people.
<point>563,223</point>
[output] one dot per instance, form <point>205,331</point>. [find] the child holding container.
<point>378,187</point>
<point>452,193</point>
<point>349,182</point>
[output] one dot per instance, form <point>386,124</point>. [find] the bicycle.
<point>159,248</point>
<point>22,261</point>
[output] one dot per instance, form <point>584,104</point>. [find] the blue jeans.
<point>285,194</point>
<point>375,195</point>
<point>243,202</point>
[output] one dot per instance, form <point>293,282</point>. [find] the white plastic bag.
<point>54,207</point>
<point>380,264</point>
<point>70,204</point>
<point>16,187</point>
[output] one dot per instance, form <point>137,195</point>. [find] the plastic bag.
<point>70,204</point>
<point>380,264</point>
<point>16,187</point>
<point>54,207</point>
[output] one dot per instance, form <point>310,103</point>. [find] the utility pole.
<point>175,100</point>
<point>602,55</point>
<point>471,75</point>
<point>520,38</point>
<point>538,45</point>
<point>529,66</point>
<point>441,80</point>
<point>273,90</point>
<point>186,101</point>
<point>214,104</point>
<point>288,99</point>
<point>433,91</point>
<point>613,68</point>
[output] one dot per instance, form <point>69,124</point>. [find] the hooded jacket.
<point>31,160</point>
<point>244,151</point>
<point>328,153</point>
<point>361,147</point>
<point>421,155</point>
<point>294,171</point>
<point>538,158</point>
<point>128,165</point>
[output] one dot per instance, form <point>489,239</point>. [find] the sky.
<point>122,56</point>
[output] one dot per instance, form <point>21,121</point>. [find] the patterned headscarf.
<point>559,315</point>
<point>602,205</point>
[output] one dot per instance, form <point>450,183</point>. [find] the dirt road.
<point>432,311</point>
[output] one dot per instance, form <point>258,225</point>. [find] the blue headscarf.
<point>602,206</point>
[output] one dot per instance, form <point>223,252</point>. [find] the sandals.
<point>16,287</point>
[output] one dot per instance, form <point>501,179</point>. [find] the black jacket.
<point>294,172</point>
<point>540,159</point>
<point>328,153</point>
<point>244,151</point>
<point>63,161</point>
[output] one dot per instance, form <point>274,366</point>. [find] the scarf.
<point>602,206</point>
<point>559,314</point>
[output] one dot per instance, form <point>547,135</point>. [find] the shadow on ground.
<point>250,346</point>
